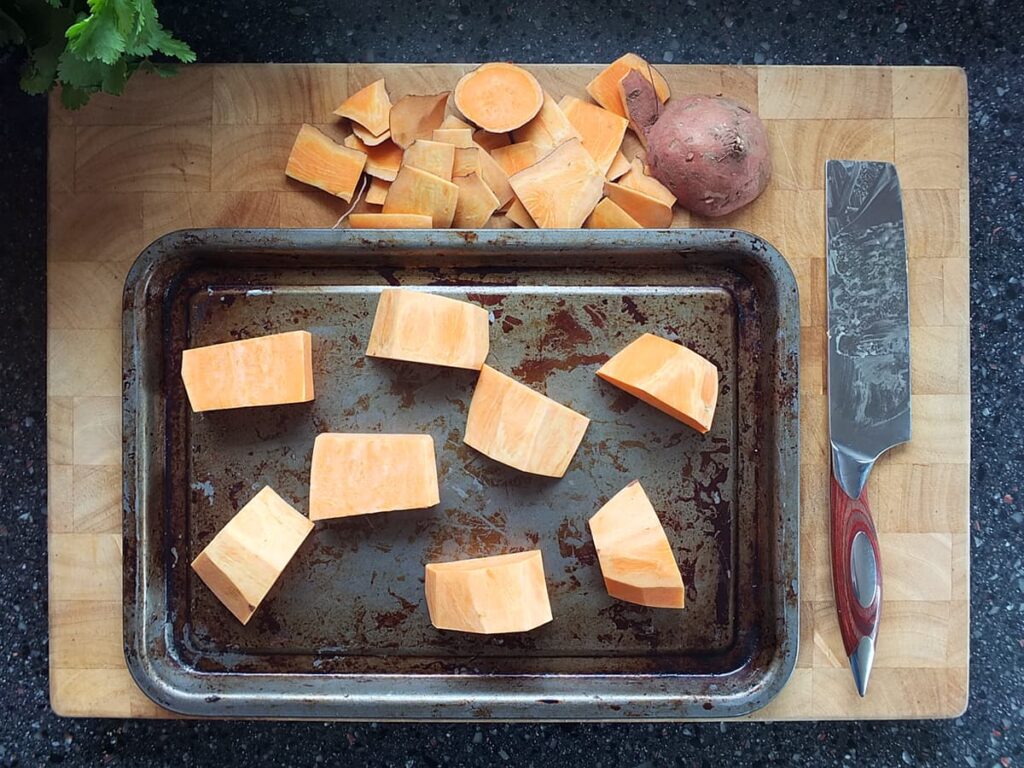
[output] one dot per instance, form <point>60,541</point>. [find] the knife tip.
<point>860,663</point>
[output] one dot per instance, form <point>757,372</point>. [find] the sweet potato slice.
<point>635,555</point>
<point>601,130</point>
<point>377,191</point>
<point>522,428</point>
<point>646,210</point>
<point>267,370</point>
<point>604,89</point>
<point>489,140</point>
<point>637,178</point>
<point>426,328</point>
<point>498,97</point>
<point>562,189</point>
<point>417,191</point>
<point>467,161</point>
<point>488,595</point>
<point>549,128</point>
<point>476,202</point>
<point>451,121</point>
<point>362,474</point>
<point>389,221</point>
<point>672,378</point>
<point>369,107</point>
<point>247,556</point>
<point>457,137</point>
<point>436,157</point>
<point>317,160</point>
<point>516,157</point>
<point>619,166</point>
<point>607,215</point>
<point>519,216</point>
<point>382,161</point>
<point>416,117</point>
<point>496,179</point>
<point>368,138</point>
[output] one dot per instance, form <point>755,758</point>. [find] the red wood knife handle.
<point>856,573</point>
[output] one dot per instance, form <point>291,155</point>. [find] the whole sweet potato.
<point>712,152</point>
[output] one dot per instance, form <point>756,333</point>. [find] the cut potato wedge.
<point>515,157</point>
<point>476,202</point>
<point>637,178</point>
<point>519,216</point>
<point>513,424</point>
<point>496,179</point>
<point>416,191</point>
<point>636,558</point>
<point>647,211</point>
<point>369,107</point>
<point>425,328</point>
<point>498,97</point>
<point>368,138</point>
<point>672,378</point>
<point>436,157</point>
<point>382,161</point>
<point>416,117</point>
<point>458,137</point>
<point>561,190</point>
<point>549,128</point>
<point>269,370</point>
<point>320,162</point>
<point>607,215</point>
<point>619,166</point>
<point>488,595</point>
<point>377,191</point>
<point>361,474</point>
<point>604,89</point>
<point>600,131</point>
<point>389,221</point>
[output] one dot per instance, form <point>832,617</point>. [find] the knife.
<point>868,380</point>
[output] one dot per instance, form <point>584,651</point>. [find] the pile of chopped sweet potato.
<point>507,154</point>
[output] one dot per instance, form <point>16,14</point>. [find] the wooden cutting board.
<point>208,148</point>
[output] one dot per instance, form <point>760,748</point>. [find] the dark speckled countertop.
<point>983,37</point>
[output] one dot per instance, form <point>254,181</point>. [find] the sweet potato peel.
<point>416,117</point>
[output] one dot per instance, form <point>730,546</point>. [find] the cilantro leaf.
<point>97,35</point>
<point>74,98</point>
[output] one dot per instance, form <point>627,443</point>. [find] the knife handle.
<point>856,578</point>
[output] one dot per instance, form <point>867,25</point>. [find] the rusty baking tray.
<point>345,634</point>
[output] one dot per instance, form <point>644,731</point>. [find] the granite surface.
<point>983,37</point>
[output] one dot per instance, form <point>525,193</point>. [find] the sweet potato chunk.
<point>416,191</point>
<point>322,163</point>
<point>637,178</point>
<point>426,328</point>
<point>467,161</point>
<point>562,189</point>
<point>457,137</point>
<point>389,221</point>
<point>519,216</point>
<point>496,178</point>
<point>601,131</point>
<point>377,191</point>
<point>646,210</point>
<point>604,89</point>
<point>416,117</point>
<point>671,377</point>
<point>619,166</point>
<point>368,138</point>
<point>488,595</point>
<point>549,128</point>
<point>636,557</point>
<point>607,215</point>
<point>522,428</point>
<point>247,556</point>
<point>382,161</point>
<point>361,474</point>
<point>451,121</point>
<point>436,157</point>
<point>498,97</point>
<point>369,107</point>
<point>489,140</point>
<point>267,370</point>
<point>516,157</point>
<point>641,103</point>
<point>476,202</point>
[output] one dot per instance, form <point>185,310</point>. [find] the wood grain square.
<point>60,159</point>
<point>824,92</point>
<point>961,569</point>
<point>252,158</point>
<point>94,227</point>
<point>165,212</point>
<point>97,499</point>
<point>939,360</point>
<point>913,693</point>
<point>83,362</point>
<point>920,498</point>
<point>932,154</point>
<point>59,430</point>
<point>932,218</point>
<point>308,207</point>
<point>814,499</point>
<point>814,445</point>
<point>254,94</point>
<point>810,278</point>
<point>813,361</point>
<point>148,99</point>
<point>929,92</point>
<point>85,295</point>
<point>805,657</point>
<point>801,147</point>
<point>85,566</point>
<point>810,553</point>
<point>913,635</point>
<point>131,158</point>
<point>926,292</point>
<point>60,517</point>
<point>958,640</point>
<point>736,83</point>
<point>916,566</point>
<point>86,629</point>
<point>100,692</point>
<point>939,436</point>
<point>956,292</point>
<point>98,431</point>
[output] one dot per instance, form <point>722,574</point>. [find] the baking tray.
<point>345,633</point>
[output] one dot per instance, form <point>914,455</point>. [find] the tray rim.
<point>452,703</point>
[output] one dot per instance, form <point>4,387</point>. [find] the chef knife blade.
<point>868,380</point>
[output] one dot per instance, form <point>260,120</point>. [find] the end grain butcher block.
<point>209,148</point>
